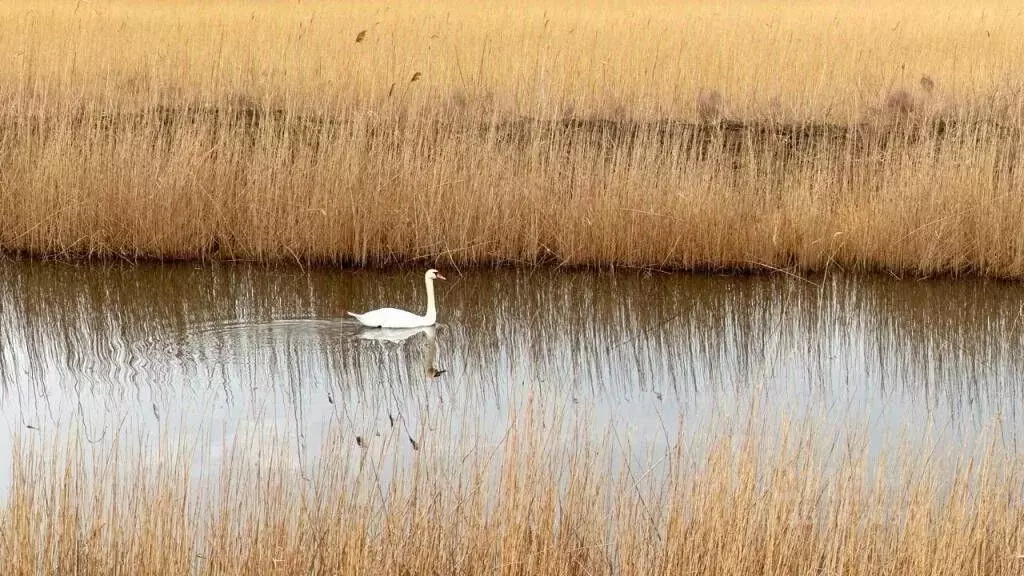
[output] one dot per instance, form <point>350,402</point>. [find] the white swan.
<point>395,318</point>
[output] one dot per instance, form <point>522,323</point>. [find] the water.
<point>171,350</point>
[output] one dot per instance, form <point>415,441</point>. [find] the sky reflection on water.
<point>138,351</point>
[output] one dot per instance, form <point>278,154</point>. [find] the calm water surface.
<point>114,351</point>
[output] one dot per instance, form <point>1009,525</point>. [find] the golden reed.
<point>737,137</point>
<point>550,498</point>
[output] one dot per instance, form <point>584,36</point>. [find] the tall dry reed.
<point>550,498</point>
<point>724,137</point>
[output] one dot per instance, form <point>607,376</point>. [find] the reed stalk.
<point>740,137</point>
<point>551,497</point>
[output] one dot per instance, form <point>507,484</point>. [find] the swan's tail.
<point>353,314</point>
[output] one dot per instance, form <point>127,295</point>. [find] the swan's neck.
<point>431,306</point>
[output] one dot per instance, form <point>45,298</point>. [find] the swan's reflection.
<point>401,335</point>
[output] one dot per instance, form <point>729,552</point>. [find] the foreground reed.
<point>746,138</point>
<point>550,498</point>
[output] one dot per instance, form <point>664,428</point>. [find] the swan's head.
<point>434,275</point>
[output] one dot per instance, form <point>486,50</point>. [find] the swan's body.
<point>395,318</point>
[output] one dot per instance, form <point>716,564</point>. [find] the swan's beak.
<point>439,277</point>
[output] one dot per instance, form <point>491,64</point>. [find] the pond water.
<point>164,350</point>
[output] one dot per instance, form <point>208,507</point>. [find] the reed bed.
<point>739,136</point>
<point>551,497</point>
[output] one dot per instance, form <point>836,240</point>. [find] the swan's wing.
<point>389,318</point>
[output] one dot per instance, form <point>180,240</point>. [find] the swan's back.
<point>390,318</point>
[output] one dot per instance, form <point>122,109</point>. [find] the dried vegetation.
<point>550,498</point>
<point>690,137</point>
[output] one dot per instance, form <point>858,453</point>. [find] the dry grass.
<point>549,499</point>
<point>737,135</point>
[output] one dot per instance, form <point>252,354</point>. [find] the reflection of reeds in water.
<point>618,334</point>
<point>553,497</point>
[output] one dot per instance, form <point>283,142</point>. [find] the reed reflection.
<point>236,334</point>
<point>401,336</point>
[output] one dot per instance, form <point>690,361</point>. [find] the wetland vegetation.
<point>181,397</point>
<point>550,498</point>
<point>748,136</point>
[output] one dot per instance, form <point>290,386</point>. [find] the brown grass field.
<point>739,135</point>
<point>550,498</point>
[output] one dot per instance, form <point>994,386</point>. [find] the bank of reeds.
<point>548,499</point>
<point>735,137</point>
